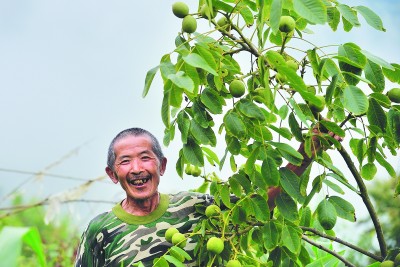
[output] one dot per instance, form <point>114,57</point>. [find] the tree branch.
<point>367,201</point>
<point>346,262</point>
<point>340,241</point>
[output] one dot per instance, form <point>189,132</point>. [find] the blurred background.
<point>71,77</point>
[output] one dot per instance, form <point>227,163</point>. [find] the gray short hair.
<point>133,132</point>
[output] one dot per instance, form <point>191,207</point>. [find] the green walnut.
<point>189,24</point>
<point>212,210</point>
<point>287,24</point>
<point>394,95</point>
<point>237,88</point>
<point>233,263</point>
<point>179,240</point>
<point>180,9</point>
<point>215,245</point>
<point>327,214</point>
<point>170,233</point>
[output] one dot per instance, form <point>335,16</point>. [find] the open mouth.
<point>139,182</point>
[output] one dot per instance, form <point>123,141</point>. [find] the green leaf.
<point>258,132</point>
<point>299,112</point>
<point>314,61</point>
<point>149,79</point>
<point>166,67</point>
<point>333,186</point>
<point>374,73</point>
<point>376,115</point>
<point>351,54</point>
<point>393,119</point>
<point>328,68</point>
<point>247,15</point>
<point>291,184</point>
<point>276,12</point>
<point>368,171</point>
<point>174,261</point>
<point>206,54</point>
<point>193,153</point>
<point>378,60</point>
<point>330,90</point>
<point>282,131</point>
<point>165,109</point>
<point>235,187</point>
<point>243,181</point>
<point>181,252</point>
<point>250,110</point>
<point>194,75</point>
<point>183,125</point>
<point>211,156</point>
<point>287,148</point>
<point>349,14</point>
<point>291,238</point>
<point>225,195</point>
<point>260,206</point>
<point>234,124</point>
<point>251,160</point>
<point>269,170</point>
<point>197,61</point>
<point>200,113</point>
<point>287,207</point>
<point>304,256</point>
<point>211,100</point>
<point>354,100</point>
<point>382,99</point>
<point>384,163</point>
<point>305,219</point>
<point>312,10</point>
<point>232,144</point>
<point>371,17</point>
<point>393,75</point>
<point>181,80</point>
<point>333,127</point>
<point>333,18</point>
<point>205,136</point>
<point>11,241</point>
<point>343,208</point>
<point>271,235</point>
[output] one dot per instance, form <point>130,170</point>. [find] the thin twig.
<point>338,240</point>
<point>367,201</point>
<point>333,253</point>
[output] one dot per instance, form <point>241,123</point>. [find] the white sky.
<point>72,74</point>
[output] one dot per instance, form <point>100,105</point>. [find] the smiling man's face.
<point>137,167</point>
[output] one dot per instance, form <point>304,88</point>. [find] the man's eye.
<point>124,162</point>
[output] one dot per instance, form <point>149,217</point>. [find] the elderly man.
<point>132,233</point>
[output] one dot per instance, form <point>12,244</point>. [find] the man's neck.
<point>141,207</point>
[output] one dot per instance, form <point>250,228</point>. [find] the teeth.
<point>139,182</point>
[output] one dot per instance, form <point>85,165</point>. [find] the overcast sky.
<point>72,74</point>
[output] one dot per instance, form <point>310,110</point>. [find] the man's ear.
<point>163,166</point>
<point>112,175</point>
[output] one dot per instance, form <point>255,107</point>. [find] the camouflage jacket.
<point>117,238</point>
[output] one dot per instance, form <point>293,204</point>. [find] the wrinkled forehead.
<point>131,142</point>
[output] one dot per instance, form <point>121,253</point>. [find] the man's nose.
<point>136,167</point>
